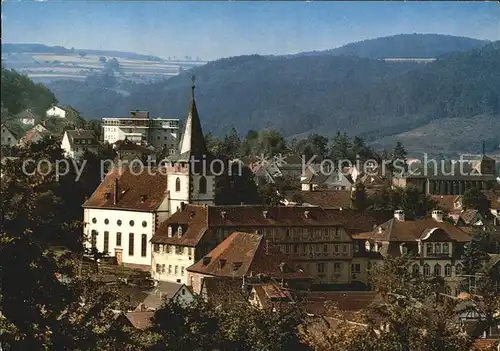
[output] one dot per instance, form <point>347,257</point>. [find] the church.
<point>125,210</point>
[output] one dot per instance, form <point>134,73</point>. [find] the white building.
<point>124,212</point>
<point>76,142</point>
<point>27,117</point>
<point>139,128</point>
<point>8,137</point>
<point>56,111</point>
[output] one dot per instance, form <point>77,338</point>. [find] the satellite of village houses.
<point>251,176</point>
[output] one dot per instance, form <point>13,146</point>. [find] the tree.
<point>474,198</point>
<point>410,200</point>
<point>270,195</point>
<point>399,158</point>
<point>341,145</point>
<point>359,198</point>
<point>236,187</point>
<point>102,59</point>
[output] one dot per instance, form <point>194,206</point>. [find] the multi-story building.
<point>125,210</point>
<point>76,142</point>
<point>162,133</point>
<point>316,239</point>
<point>435,247</point>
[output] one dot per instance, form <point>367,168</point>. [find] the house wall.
<point>56,112</point>
<point>8,139</point>
<point>196,281</point>
<point>169,262</point>
<point>94,219</point>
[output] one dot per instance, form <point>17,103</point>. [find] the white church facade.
<point>123,213</point>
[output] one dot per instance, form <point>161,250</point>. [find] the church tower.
<point>190,178</point>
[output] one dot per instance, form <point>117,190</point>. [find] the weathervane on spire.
<point>193,79</point>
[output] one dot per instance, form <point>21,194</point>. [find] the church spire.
<point>192,142</point>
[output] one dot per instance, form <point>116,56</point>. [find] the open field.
<point>46,66</point>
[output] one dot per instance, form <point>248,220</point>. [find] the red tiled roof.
<point>412,230</point>
<point>327,198</point>
<point>245,254</point>
<point>445,201</point>
<point>140,319</point>
<point>142,192</point>
<point>198,218</point>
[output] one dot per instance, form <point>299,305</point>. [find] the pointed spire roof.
<point>192,142</point>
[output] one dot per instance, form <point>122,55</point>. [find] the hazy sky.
<point>220,29</point>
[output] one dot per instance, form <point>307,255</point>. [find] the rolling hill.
<point>348,89</point>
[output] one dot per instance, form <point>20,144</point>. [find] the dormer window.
<point>179,231</point>
<point>222,263</point>
<point>107,196</point>
<point>446,248</point>
<point>169,231</point>
<point>203,185</point>
<point>143,197</point>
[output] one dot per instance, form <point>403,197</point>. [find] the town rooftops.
<point>326,198</point>
<point>246,254</point>
<point>121,189</point>
<point>396,230</point>
<point>81,137</point>
<point>164,292</point>
<point>197,219</point>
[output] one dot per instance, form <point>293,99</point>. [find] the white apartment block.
<point>139,128</point>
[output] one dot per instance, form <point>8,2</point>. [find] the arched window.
<point>169,230</point>
<point>447,270</point>
<point>427,270</point>
<point>203,185</point>
<point>179,231</point>
<point>416,269</point>
<point>437,270</point>
<point>93,239</point>
<point>178,184</point>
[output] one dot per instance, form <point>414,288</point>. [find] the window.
<point>189,251</point>
<point>287,234</point>
<point>119,222</point>
<point>325,248</point>
<point>345,249</point>
<point>158,268</point>
<point>156,247</point>
<point>179,231</point>
<point>427,270</point>
<point>93,239</point>
<point>169,269</point>
<point>94,220</point>
<point>169,231</point>
<point>429,249</point>
<point>321,267</point>
<point>178,184</point>
<point>176,270</point>
<point>437,248</point>
<point>446,248</point>
<point>325,232</point>
<point>131,244</point>
<point>337,267</point>
<point>337,232</point>
<point>415,269</point>
<point>318,248</point>
<point>356,268</point>
<point>106,221</point>
<point>106,242</point>
<point>203,185</point>
<point>295,249</point>
<point>144,245</point>
<point>447,270</point>
<point>336,248</point>
<point>131,223</point>
<point>179,250</point>
<point>168,248</point>
<point>118,239</point>
<point>356,247</point>
<point>437,269</point>
<point>144,224</point>
<point>182,270</point>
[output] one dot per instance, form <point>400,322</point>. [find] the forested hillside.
<point>322,93</point>
<point>19,93</point>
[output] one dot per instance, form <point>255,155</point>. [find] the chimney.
<point>206,260</point>
<point>306,214</point>
<point>242,203</point>
<point>380,230</point>
<point>437,215</point>
<point>399,215</point>
<point>115,200</point>
<point>183,206</point>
